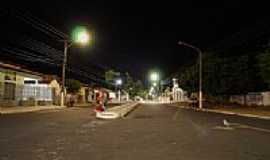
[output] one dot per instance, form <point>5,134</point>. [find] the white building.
<point>178,93</point>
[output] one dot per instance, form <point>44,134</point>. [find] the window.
<point>29,82</point>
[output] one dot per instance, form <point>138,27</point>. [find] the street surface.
<point>150,132</point>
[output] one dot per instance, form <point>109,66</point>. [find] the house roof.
<point>18,68</point>
<point>49,78</point>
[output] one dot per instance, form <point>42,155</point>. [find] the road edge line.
<point>224,112</point>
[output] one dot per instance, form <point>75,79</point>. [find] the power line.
<point>38,59</point>
<point>48,55</point>
<point>35,22</point>
<point>40,25</point>
<point>35,58</point>
<point>47,26</point>
<point>45,50</point>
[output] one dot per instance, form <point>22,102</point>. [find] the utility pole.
<point>119,95</point>
<point>80,35</point>
<point>118,83</point>
<point>200,79</point>
<point>63,92</point>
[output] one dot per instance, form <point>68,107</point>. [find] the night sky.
<point>138,36</point>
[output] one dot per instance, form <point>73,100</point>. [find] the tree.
<point>222,76</point>
<point>138,85</point>
<point>139,89</point>
<point>264,67</point>
<point>129,85</point>
<point>134,88</point>
<point>73,86</point>
<point>111,75</point>
<point>189,79</point>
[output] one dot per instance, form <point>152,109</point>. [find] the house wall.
<point>54,84</point>
<point>259,99</point>
<point>239,99</point>
<point>57,92</point>
<point>16,78</point>
<point>82,95</point>
<point>19,87</point>
<point>8,77</point>
<point>1,85</point>
<point>266,98</point>
<point>82,91</point>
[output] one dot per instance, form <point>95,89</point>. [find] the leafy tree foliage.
<point>224,76</point>
<point>73,86</point>
<point>111,75</point>
<point>264,67</point>
<point>134,88</point>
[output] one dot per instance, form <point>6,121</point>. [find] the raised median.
<point>117,112</point>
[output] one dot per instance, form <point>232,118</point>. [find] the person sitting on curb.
<point>100,102</point>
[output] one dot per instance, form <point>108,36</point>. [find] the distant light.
<point>154,84</point>
<point>154,76</point>
<point>118,82</point>
<point>180,43</point>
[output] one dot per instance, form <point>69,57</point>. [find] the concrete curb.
<point>117,112</point>
<point>29,109</point>
<point>224,112</point>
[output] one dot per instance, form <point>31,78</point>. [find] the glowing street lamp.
<point>119,82</point>
<point>79,36</point>
<point>154,77</point>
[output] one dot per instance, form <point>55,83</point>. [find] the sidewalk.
<point>84,105</point>
<point>254,112</point>
<point>12,110</point>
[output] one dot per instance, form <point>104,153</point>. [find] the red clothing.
<point>100,102</point>
<point>99,108</point>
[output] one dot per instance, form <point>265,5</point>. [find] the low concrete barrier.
<point>117,112</point>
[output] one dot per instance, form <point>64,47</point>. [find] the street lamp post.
<point>119,83</point>
<point>154,78</point>
<point>200,69</point>
<point>79,35</point>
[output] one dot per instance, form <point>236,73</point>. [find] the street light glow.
<point>80,35</point>
<point>118,82</point>
<point>83,38</point>
<point>154,76</point>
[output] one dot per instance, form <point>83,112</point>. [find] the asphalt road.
<point>150,132</point>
